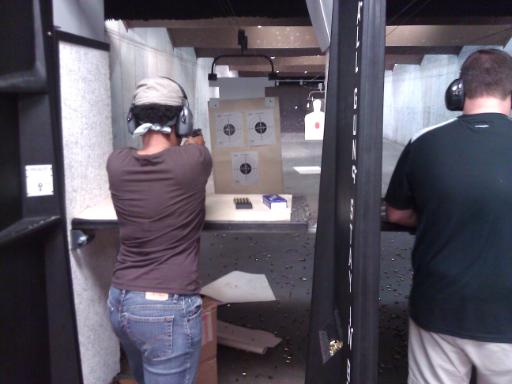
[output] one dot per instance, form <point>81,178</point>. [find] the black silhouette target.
<point>229,129</point>
<point>245,168</point>
<point>260,127</point>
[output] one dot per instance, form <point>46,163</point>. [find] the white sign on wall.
<point>39,179</point>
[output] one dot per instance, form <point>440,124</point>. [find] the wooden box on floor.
<point>207,373</point>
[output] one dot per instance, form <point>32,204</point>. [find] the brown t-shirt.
<point>159,201</point>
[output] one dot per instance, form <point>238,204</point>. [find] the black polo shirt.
<point>458,178</point>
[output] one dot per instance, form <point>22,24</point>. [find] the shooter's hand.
<point>195,138</point>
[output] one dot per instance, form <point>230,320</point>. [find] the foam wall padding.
<point>87,141</point>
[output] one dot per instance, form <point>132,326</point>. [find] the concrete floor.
<point>287,261</point>
<point>395,283</point>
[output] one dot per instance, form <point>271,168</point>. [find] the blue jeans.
<point>162,339</point>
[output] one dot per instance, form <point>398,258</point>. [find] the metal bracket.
<point>80,239</point>
<point>270,102</point>
<point>331,338</point>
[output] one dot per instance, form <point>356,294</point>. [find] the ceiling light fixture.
<point>242,41</point>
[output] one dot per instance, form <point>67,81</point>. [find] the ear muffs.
<point>184,120</point>
<point>130,120</point>
<point>454,96</point>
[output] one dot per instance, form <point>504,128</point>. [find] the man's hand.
<point>199,139</point>
<point>405,217</point>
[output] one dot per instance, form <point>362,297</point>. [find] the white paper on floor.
<point>251,340</point>
<point>239,287</point>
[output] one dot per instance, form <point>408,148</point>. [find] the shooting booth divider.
<point>37,327</point>
<point>343,343</point>
<point>39,332</point>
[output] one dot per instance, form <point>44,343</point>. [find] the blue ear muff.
<point>454,96</point>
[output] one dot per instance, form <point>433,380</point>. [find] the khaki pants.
<point>440,359</point>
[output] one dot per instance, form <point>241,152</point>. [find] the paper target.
<point>261,127</point>
<point>245,168</point>
<point>229,129</point>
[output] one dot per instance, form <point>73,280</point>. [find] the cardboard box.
<point>207,373</point>
<point>209,323</point>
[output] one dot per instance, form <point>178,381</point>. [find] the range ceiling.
<point>282,29</point>
<point>398,11</point>
<point>203,9</point>
<point>447,11</point>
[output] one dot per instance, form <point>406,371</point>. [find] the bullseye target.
<point>229,129</point>
<point>261,127</point>
<point>245,168</point>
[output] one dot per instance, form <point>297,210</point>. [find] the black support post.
<point>39,340</point>
<point>343,344</point>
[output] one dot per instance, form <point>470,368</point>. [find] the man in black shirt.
<point>453,182</point>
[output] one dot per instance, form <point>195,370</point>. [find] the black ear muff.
<point>454,96</point>
<point>130,120</point>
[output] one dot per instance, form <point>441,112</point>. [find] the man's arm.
<point>399,197</point>
<point>201,160</point>
<point>405,217</point>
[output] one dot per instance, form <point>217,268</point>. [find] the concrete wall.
<point>80,17</point>
<point>414,94</point>
<point>87,141</point>
<point>292,105</point>
<point>143,52</point>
